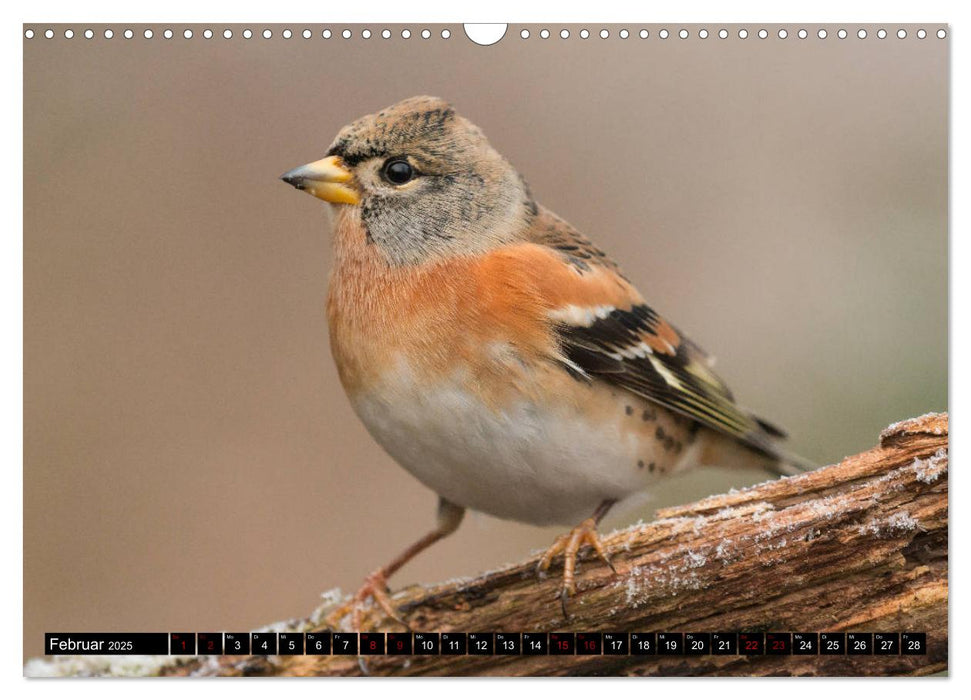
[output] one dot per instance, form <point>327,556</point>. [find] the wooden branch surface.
<point>857,546</point>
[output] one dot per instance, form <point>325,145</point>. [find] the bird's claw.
<point>564,597</point>
<point>375,587</point>
<point>569,545</point>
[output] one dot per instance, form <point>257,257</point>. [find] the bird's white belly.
<point>530,461</point>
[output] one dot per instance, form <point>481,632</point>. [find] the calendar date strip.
<point>489,643</point>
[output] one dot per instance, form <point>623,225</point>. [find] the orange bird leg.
<point>376,584</point>
<point>569,544</point>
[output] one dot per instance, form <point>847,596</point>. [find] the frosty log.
<point>857,546</point>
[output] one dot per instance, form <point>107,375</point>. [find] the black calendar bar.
<point>399,643</point>
<point>670,643</point>
<point>886,643</point>
<point>291,643</point>
<point>509,643</point>
<point>210,643</point>
<point>751,643</point>
<point>805,643</point>
<point>371,643</point>
<point>724,643</point>
<point>778,643</point>
<point>110,643</point>
<point>318,643</point>
<point>859,643</point>
<point>832,643</point>
<point>426,643</point>
<point>263,643</point>
<point>913,643</point>
<point>345,643</point>
<point>182,643</point>
<point>536,643</point>
<point>562,643</point>
<point>697,643</point>
<point>454,643</point>
<point>686,644</point>
<point>237,643</point>
<point>616,643</point>
<point>589,643</point>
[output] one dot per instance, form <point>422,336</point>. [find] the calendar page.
<point>458,411</point>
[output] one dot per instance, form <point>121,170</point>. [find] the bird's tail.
<point>789,464</point>
<point>781,461</point>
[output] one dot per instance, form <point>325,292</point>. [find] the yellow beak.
<point>327,179</point>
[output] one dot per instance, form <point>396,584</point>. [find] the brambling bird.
<point>495,352</point>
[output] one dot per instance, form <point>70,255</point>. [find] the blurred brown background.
<point>191,461</point>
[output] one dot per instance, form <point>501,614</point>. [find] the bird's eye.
<point>398,171</point>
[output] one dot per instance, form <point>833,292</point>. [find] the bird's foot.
<point>375,587</point>
<point>569,545</point>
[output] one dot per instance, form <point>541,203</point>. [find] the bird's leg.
<point>376,584</point>
<point>569,544</point>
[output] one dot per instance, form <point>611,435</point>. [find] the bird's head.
<point>425,181</point>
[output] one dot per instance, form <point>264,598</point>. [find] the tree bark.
<point>857,546</point>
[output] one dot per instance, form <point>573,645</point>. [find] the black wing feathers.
<point>637,350</point>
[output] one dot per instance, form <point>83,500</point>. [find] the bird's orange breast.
<point>441,318</point>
